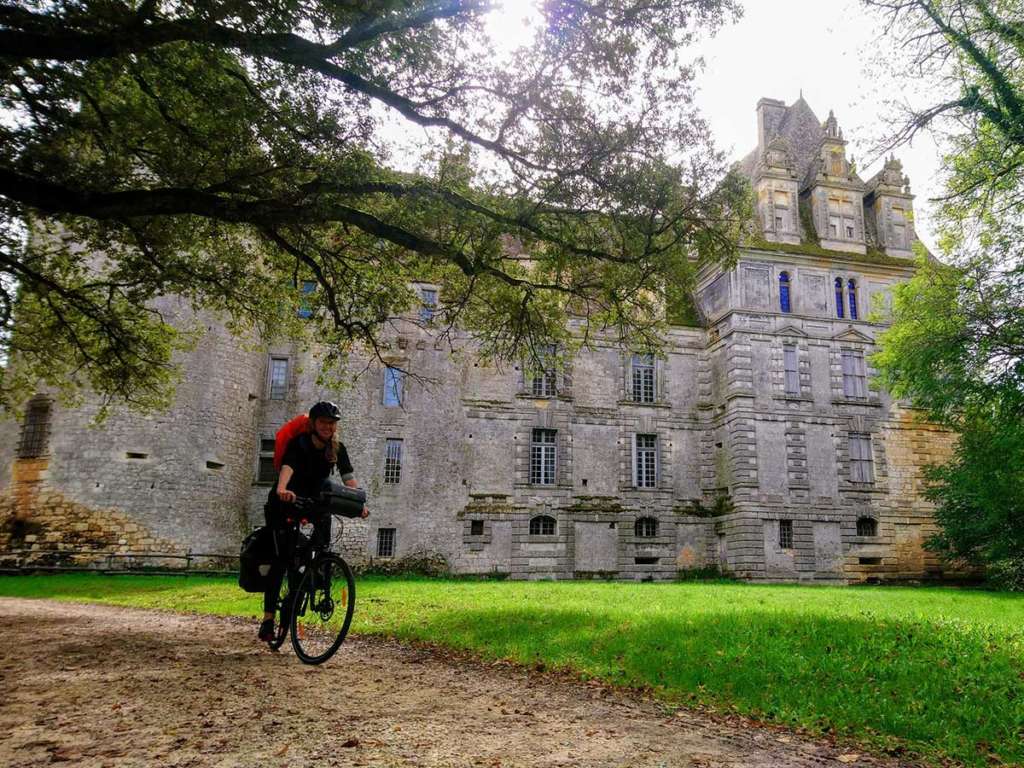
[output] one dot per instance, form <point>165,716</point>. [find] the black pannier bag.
<point>338,499</point>
<point>256,560</point>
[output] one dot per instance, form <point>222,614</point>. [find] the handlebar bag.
<point>256,560</point>
<point>338,499</point>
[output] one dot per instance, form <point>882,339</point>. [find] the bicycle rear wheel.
<point>323,608</point>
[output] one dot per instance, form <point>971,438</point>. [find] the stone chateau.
<point>755,445</point>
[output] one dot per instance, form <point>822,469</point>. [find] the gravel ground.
<point>101,686</point>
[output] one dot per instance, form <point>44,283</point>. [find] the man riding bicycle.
<point>308,461</point>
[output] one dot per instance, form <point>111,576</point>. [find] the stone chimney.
<point>770,113</point>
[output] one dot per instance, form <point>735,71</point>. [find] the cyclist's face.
<point>325,428</point>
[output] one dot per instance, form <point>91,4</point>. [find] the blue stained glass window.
<point>839,297</point>
<point>851,290</point>
<point>784,291</point>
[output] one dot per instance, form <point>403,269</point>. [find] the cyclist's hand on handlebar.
<point>286,496</point>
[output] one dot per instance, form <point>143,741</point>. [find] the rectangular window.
<point>266,472</point>
<point>305,308</point>
<point>862,467</point>
<point>643,378</point>
<point>791,363</point>
<point>278,378</point>
<point>393,461</point>
<point>778,223</point>
<point>394,383</point>
<point>854,379</point>
<point>785,534</point>
<point>645,464</point>
<point>385,542</point>
<point>833,226</point>
<point>542,457</point>
<point>899,228</point>
<point>428,304</point>
<point>545,381</point>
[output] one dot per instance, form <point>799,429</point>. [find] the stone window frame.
<point>393,449</point>
<point>539,457</point>
<point>281,390</point>
<point>860,468</point>
<point>854,378</point>
<point>635,463</point>
<point>263,453</point>
<point>867,526</point>
<point>387,542</point>
<point>34,438</point>
<point>626,367</point>
<point>397,388</point>
<point>843,217</point>
<point>549,384</point>
<point>543,525</point>
<point>646,527</point>
<point>641,363</point>
<point>785,281</point>
<point>429,295</point>
<point>791,373</point>
<point>786,534</point>
<point>782,213</point>
<point>899,225</point>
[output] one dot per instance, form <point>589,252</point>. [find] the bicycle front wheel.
<point>323,608</point>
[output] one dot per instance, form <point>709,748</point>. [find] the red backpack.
<point>285,434</point>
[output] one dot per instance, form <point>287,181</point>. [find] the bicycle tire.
<point>318,627</point>
<point>284,597</point>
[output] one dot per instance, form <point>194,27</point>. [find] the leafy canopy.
<point>956,346</point>
<point>224,153</point>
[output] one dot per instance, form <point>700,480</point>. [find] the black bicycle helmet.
<point>325,409</point>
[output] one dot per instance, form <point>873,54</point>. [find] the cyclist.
<point>308,460</point>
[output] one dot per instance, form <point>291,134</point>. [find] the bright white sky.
<point>778,49</point>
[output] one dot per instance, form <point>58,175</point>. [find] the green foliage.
<point>956,346</point>
<point>227,153</point>
<point>929,672</point>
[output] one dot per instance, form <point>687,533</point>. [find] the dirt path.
<point>92,685</point>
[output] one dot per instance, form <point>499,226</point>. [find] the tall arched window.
<point>851,294</point>
<point>784,291</point>
<point>839,297</point>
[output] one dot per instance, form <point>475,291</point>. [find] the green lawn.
<point>934,672</point>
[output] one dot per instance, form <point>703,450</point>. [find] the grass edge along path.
<point>930,672</point>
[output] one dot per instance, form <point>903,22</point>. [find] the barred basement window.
<point>278,378</point>
<point>35,429</point>
<point>786,534</point>
<point>867,526</point>
<point>646,527</point>
<point>791,365</point>
<point>393,461</point>
<point>542,457</point>
<point>645,461</point>
<point>385,542</point>
<point>266,472</point>
<point>643,378</point>
<point>542,525</point>
<point>476,527</point>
